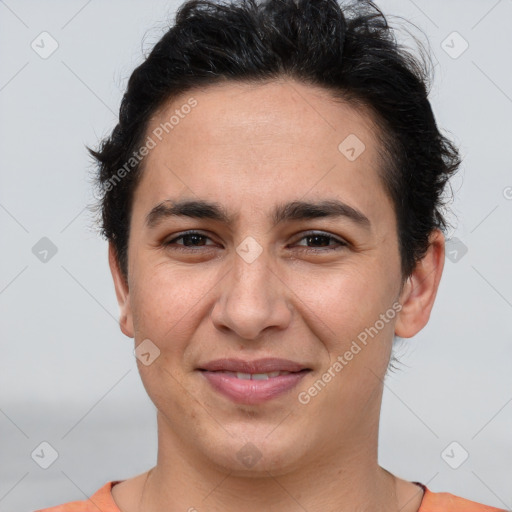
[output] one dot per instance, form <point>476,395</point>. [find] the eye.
<point>323,240</point>
<point>190,239</point>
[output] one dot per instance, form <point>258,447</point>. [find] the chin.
<point>257,454</point>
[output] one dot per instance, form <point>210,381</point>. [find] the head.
<point>264,125</point>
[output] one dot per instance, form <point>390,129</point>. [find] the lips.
<point>265,365</point>
<point>253,382</point>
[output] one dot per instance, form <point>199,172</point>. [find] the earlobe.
<point>122,293</point>
<point>420,290</point>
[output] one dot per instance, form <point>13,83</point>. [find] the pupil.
<point>316,237</point>
<point>196,238</point>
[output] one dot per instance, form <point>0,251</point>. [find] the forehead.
<point>251,143</point>
<point>281,112</point>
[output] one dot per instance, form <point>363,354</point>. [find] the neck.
<point>341,479</point>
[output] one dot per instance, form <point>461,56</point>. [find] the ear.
<point>122,292</point>
<point>419,292</point>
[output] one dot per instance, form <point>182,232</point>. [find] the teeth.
<point>260,376</point>
<point>257,376</point>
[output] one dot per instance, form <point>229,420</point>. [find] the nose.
<point>253,298</point>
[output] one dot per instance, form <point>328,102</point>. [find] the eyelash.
<point>308,234</point>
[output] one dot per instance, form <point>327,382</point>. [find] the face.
<point>260,287</point>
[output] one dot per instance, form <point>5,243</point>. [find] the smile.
<point>252,382</point>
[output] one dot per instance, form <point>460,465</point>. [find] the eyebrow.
<point>292,211</point>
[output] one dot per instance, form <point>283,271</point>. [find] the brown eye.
<point>322,240</point>
<point>190,239</point>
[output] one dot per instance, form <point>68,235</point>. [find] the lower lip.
<point>252,392</point>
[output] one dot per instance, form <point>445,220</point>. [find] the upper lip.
<point>264,365</point>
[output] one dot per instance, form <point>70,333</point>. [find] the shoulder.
<point>101,500</point>
<point>445,502</point>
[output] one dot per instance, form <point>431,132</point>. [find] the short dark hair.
<point>349,50</point>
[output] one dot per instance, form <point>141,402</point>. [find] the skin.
<point>248,148</point>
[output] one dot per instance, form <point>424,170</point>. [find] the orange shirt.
<point>102,501</point>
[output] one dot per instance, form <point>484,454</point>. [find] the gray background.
<point>68,375</point>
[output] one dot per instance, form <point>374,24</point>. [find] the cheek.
<point>350,311</point>
<point>166,303</point>
<point>163,303</point>
<point>342,299</point>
